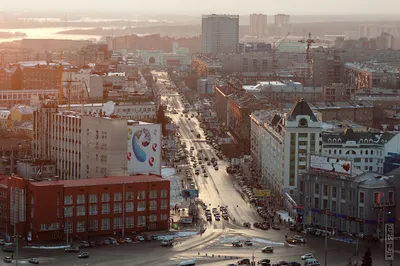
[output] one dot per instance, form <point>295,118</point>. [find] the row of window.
<point>117,196</point>
<point>105,224</point>
<point>116,207</point>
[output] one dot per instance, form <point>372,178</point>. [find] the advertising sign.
<point>144,148</point>
<point>328,164</point>
<point>389,241</point>
<point>186,219</point>
<point>190,193</point>
<point>262,193</point>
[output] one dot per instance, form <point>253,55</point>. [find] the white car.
<point>128,240</point>
<point>300,239</point>
<point>307,256</point>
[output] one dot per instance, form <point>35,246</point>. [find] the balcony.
<point>384,204</point>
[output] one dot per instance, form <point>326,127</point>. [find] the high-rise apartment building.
<point>258,25</point>
<point>220,34</point>
<point>281,20</point>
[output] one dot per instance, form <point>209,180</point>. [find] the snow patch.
<point>285,215</point>
<point>175,186</point>
<point>167,172</point>
<point>186,234</point>
<point>47,247</point>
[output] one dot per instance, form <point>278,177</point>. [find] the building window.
<point>153,218</point>
<point>333,192</point>
<point>93,225</point>
<point>361,212</point>
<point>325,190</point>
<point>164,193</point>
<point>105,224</point>
<point>317,189</point>
<point>164,204</point>
<point>333,208</point>
<point>316,203</point>
<point>93,198</point>
<point>118,207</point>
<point>80,226</point>
<point>80,210</point>
<point>325,204</point>
<point>93,209</point>
<point>80,199</point>
<point>141,206</point>
<point>164,217</point>
<point>117,223</point>
<point>129,222</point>
<point>105,197</point>
<point>391,197</point>
<point>342,194</point>
<point>105,208</point>
<point>141,221</point>
<point>68,227</point>
<point>117,196</point>
<point>68,211</point>
<point>68,200</point>
<point>153,205</point>
<point>129,195</point>
<point>153,194</point>
<point>129,207</point>
<point>43,227</point>
<point>361,200</point>
<point>141,195</point>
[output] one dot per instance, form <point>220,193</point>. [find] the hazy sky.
<point>218,6</point>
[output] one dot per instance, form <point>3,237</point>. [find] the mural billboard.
<point>144,149</point>
<point>329,164</point>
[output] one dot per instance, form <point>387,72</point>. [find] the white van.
<point>311,262</point>
<point>187,263</point>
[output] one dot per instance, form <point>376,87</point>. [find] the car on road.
<point>205,175</point>
<point>85,244</point>
<point>276,227</point>
<point>264,262</point>
<point>292,241</point>
<point>128,240</point>
<point>307,256</point>
<point>7,259</point>
<point>294,263</point>
<point>217,218</point>
<point>267,249</point>
<point>208,163</point>
<point>248,243</point>
<point>2,242</point>
<point>300,239</point>
<point>34,260</point>
<point>244,262</point>
<point>209,218</point>
<point>198,136</point>
<point>237,244</point>
<point>167,243</point>
<point>282,263</point>
<point>72,249</point>
<point>140,238</point>
<point>216,168</point>
<point>83,255</point>
<point>8,249</point>
<point>247,224</point>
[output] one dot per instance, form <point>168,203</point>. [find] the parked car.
<point>7,259</point>
<point>8,249</point>
<point>83,255</point>
<point>307,256</point>
<point>294,263</point>
<point>85,244</point>
<point>292,241</point>
<point>2,242</point>
<point>264,262</point>
<point>276,227</point>
<point>237,244</point>
<point>34,260</point>
<point>72,249</point>
<point>267,249</point>
<point>167,243</point>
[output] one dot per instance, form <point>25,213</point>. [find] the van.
<point>311,262</point>
<point>187,263</point>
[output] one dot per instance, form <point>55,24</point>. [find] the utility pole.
<point>326,237</point>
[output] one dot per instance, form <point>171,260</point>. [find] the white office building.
<point>286,142</point>
<point>220,34</point>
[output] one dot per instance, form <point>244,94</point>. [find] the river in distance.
<point>48,33</point>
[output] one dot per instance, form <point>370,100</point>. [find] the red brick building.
<point>89,207</point>
<point>3,205</point>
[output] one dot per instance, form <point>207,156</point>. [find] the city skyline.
<point>224,6</point>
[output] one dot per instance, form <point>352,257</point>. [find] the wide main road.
<point>216,189</point>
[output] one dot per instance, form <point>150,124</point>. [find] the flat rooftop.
<point>102,181</point>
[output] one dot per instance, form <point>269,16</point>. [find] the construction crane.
<point>309,71</point>
<point>274,49</point>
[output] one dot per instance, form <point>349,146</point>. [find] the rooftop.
<point>372,67</point>
<point>361,137</point>
<point>102,181</point>
<point>301,108</point>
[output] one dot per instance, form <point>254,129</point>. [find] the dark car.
<point>72,249</point>
<point>292,241</point>
<point>264,262</point>
<point>282,263</point>
<point>83,255</point>
<point>294,263</point>
<point>276,227</point>
<point>243,262</point>
<point>8,249</point>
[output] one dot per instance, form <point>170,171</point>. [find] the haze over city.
<point>196,7</point>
